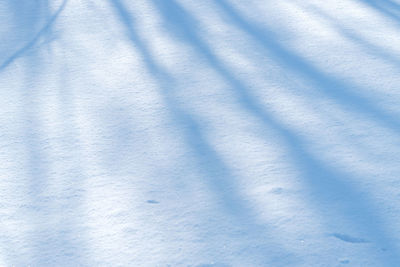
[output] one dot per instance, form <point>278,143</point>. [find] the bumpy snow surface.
<point>199,133</point>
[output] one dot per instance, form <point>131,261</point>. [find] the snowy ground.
<point>199,133</point>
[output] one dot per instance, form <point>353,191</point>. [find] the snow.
<point>199,133</point>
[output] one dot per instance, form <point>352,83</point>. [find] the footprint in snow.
<point>151,201</point>
<point>349,239</point>
<point>277,190</point>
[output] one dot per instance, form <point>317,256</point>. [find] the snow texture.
<point>199,133</point>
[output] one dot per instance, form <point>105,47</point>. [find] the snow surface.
<point>199,133</point>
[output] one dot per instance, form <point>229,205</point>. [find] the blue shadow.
<point>331,189</point>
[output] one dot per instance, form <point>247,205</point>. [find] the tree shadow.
<point>388,8</point>
<point>351,35</point>
<point>343,93</point>
<point>335,192</point>
<point>31,23</point>
<point>50,204</point>
<point>216,173</point>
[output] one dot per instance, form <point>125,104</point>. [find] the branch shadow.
<point>367,45</point>
<point>42,33</point>
<point>48,211</point>
<point>386,7</point>
<point>343,93</point>
<point>55,237</point>
<point>351,35</point>
<point>215,172</point>
<point>335,194</point>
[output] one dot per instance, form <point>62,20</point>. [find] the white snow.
<point>199,133</point>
